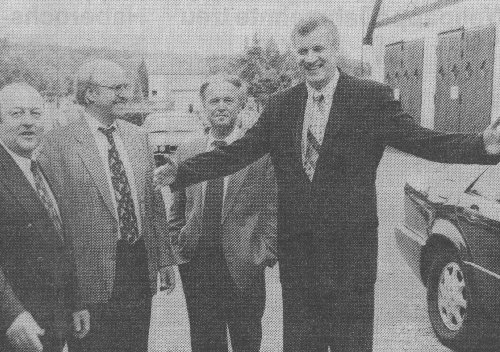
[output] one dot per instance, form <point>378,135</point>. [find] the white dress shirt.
<point>236,134</point>
<point>312,113</point>
<point>25,166</point>
<point>103,147</point>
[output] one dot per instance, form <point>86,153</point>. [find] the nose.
<point>310,57</point>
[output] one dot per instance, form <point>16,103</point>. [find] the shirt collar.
<point>328,90</point>
<point>21,161</point>
<point>229,139</point>
<point>94,124</point>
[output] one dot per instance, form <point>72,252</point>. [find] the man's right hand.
<point>24,332</point>
<point>165,174</point>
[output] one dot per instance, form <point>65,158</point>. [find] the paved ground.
<point>401,322</point>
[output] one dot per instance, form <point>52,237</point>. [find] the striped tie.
<point>44,195</point>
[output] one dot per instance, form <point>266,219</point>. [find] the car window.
<point>488,184</point>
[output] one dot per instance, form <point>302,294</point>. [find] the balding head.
<point>21,118</point>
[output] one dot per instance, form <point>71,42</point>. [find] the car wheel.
<point>450,302</point>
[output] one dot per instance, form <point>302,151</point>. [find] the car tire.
<point>451,302</point>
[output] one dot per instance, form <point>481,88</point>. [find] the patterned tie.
<point>44,195</point>
<point>314,136</point>
<point>212,211</point>
<point>129,229</point>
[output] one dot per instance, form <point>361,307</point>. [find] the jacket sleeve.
<point>227,160</point>
<point>10,306</point>
<point>399,131</point>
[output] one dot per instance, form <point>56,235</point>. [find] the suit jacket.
<point>248,219</point>
<point>74,166</point>
<point>337,210</point>
<point>36,266</point>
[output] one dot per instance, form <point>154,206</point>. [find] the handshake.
<point>166,174</point>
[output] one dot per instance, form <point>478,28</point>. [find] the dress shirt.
<point>236,134</point>
<point>103,147</point>
<point>312,113</point>
<point>25,166</point>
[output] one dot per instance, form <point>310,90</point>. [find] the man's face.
<point>222,104</point>
<point>21,120</point>
<point>317,56</point>
<point>111,89</point>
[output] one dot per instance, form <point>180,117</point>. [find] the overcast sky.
<point>178,26</point>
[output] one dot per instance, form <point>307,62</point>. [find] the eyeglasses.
<point>118,88</point>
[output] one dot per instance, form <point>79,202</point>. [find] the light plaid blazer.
<point>72,163</point>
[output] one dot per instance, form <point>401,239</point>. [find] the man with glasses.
<point>102,168</point>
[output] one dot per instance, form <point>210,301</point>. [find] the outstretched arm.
<point>399,131</point>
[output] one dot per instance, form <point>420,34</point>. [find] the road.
<point>401,322</point>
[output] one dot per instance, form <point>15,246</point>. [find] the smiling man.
<point>102,168</point>
<point>225,230</point>
<point>37,271</point>
<point>326,137</point>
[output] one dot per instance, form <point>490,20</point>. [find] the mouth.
<point>28,134</point>
<point>315,67</point>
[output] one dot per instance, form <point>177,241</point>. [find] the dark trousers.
<point>314,321</point>
<point>214,302</point>
<point>122,324</point>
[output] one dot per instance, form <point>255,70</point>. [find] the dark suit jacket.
<point>73,165</point>
<point>36,266</point>
<point>248,219</point>
<point>337,210</point>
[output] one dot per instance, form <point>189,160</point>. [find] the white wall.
<point>468,14</point>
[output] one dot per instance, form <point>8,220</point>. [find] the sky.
<point>204,27</point>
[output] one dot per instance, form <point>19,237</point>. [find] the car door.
<point>478,213</point>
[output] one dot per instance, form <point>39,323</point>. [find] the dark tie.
<point>44,195</point>
<point>212,211</point>
<point>129,229</point>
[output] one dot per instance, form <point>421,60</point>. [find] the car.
<point>450,237</point>
<point>167,130</point>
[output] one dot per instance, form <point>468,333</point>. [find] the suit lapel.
<point>87,150</point>
<point>20,188</point>
<point>297,116</point>
<point>233,186</point>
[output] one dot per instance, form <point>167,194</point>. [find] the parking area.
<point>401,322</point>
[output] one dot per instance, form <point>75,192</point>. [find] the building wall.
<point>181,88</point>
<point>468,14</point>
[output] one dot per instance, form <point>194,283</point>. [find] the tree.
<point>142,72</point>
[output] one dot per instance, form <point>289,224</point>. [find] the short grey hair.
<point>85,78</point>
<point>308,24</point>
<point>232,79</point>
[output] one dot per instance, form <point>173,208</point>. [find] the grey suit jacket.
<point>248,219</point>
<point>73,165</point>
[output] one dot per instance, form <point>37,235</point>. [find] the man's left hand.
<point>81,323</point>
<point>491,138</point>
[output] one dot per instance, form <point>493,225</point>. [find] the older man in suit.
<point>102,169</point>
<point>37,281</point>
<point>326,137</point>
<point>226,231</point>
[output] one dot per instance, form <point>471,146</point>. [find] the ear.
<point>89,95</point>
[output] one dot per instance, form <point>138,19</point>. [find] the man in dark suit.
<point>326,137</point>
<point>226,231</point>
<point>102,168</point>
<point>37,281</point>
